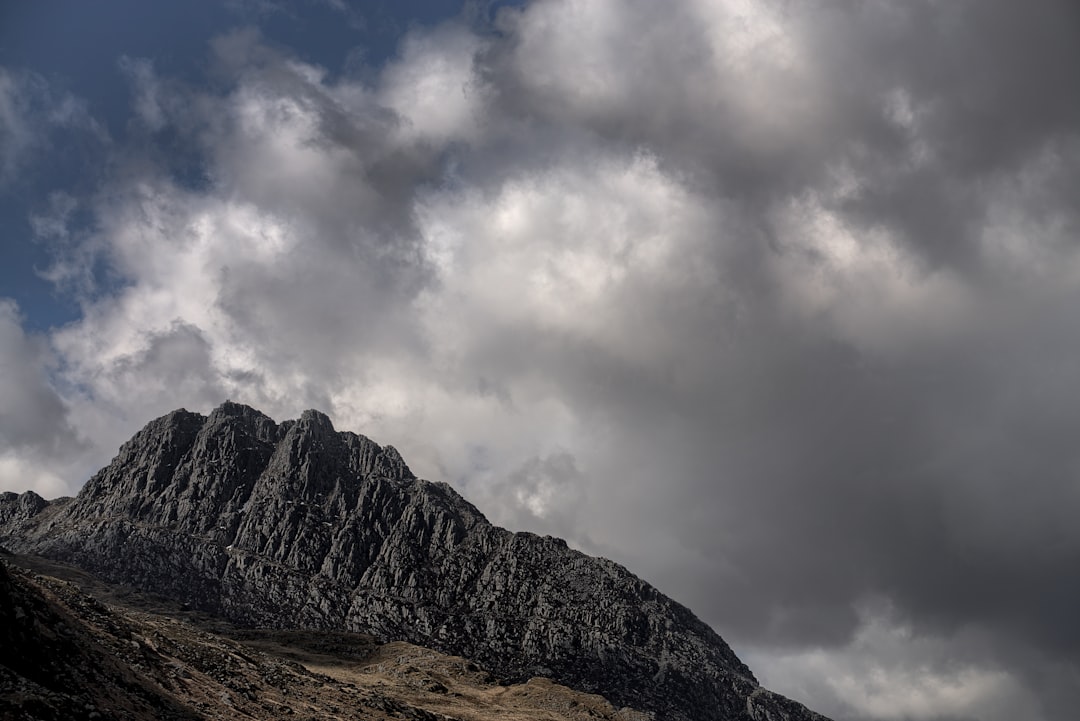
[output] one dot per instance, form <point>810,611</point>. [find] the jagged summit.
<point>296,524</point>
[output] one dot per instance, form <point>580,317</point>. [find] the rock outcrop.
<point>298,525</point>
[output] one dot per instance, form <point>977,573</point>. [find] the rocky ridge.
<point>297,525</point>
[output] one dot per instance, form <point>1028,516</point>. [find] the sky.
<point>771,302</point>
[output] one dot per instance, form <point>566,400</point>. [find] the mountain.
<point>296,525</point>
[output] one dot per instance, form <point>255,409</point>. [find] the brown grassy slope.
<point>74,648</point>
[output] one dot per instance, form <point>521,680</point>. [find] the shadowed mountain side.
<point>296,525</point>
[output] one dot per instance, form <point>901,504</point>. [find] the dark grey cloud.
<point>987,86</point>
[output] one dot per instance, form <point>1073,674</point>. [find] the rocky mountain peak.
<point>18,508</point>
<point>300,525</point>
<point>317,419</point>
<point>251,421</point>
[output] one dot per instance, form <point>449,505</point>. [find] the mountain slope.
<point>298,525</point>
<point>67,655</point>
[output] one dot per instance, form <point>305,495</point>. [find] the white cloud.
<point>434,88</point>
<point>587,249</point>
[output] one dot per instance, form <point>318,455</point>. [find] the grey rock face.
<point>17,509</point>
<point>298,525</point>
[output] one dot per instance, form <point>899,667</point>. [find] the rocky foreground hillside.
<point>69,656</point>
<point>296,525</point>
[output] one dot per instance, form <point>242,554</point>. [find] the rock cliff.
<point>298,525</point>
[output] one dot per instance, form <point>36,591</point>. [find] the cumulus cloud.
<point>433,88</point>
<point>772,303</point>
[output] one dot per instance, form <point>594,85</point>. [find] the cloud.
<point>36,435</point>
<point>32,114</point>
<point>147,100</point>
<point>773,304</point>
<point>433,87</point>
<point>887,671</point>
<point>32,413</point>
